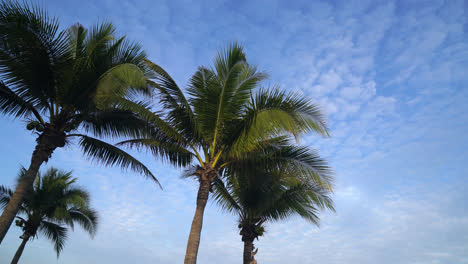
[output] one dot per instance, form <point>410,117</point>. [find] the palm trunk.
<point>248,249</point>
<point>20,249</point>
<point>195,230</point>
<point>40,155</point>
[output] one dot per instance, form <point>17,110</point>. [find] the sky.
<point>391,77</point>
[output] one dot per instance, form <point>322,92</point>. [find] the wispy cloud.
<point>391,76</point>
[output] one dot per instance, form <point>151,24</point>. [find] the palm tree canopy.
<point>64,83</point>
<point>295,180</point>
<point>53,204</point>
<point>224,113</point>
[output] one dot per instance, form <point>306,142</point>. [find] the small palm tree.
<point>52,204</point>
<point>75,83</point>
<point>294,181</point>
<point>225,115</point>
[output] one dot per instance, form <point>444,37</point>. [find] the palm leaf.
<point>5,196</point>
<point>32,52</point>
<point>12,104</point>
<point>112,122</point>
<point>86,218</point>
<point>167,150</point>
<point>57,234</point>
<point>224,198</point>
<point>179,111</point>
<point>110,155</point>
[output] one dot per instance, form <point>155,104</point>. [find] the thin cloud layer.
<point>391,76</point>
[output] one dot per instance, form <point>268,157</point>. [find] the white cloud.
<point>390,76</point>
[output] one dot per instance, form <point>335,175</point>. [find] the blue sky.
<point>392,78</point>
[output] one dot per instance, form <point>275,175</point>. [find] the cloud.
<point>391,77</point>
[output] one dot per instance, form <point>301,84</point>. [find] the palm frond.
<point>154,119</point>
<point>32,52</point>
<point>179,111</point>
<point>171,151</point>
<point>98,39</point>
<point>77,197</point>
<point>224,198</point>
<point>56,233</point>
<point>275,112</point>
<point>12,104</point>
<point>117,82</point>
<point>5,196</point>
<point>113,122</point>
<point>86,218</point>
<point>110,155</point>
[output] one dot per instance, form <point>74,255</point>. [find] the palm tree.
<point>68,84</point>
<point>225,115</point>
<point>52,204</point>
<point>295,180</point>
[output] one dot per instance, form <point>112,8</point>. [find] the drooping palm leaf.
<point>110,155</point>
<point>56,233</point>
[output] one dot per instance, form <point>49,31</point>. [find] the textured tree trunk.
<point>40,155</point>
<point>248,249</point>
<point>20,249</point>
<point>195,230</point>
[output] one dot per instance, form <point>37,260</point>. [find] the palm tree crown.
<point>64,81</point>
<point>53,203</point>
<point>286,185</point>
<point>74,83</point>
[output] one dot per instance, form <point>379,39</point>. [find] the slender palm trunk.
<point>195,230</point>
<point>248,249</point>
<point>20,249</point>
<point>40,155</point>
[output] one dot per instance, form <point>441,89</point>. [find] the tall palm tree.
<point>68,84</point>
<point>293,180</point>
<point>52,204</point>
<point>223,117</point>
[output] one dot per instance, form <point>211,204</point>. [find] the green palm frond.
<point>272,154</point>
<point>110,155</point>
<point>32,52</point>
<point>224,198</point>
<point>156,122</point>
<point>5,196</point>
<point>275,112</point>
<point>98,39</point>
<point>12,104</point>
<point>227,59</point>
<point>116,83</point>
<point>274,181</point>
<point>112,123</point>
<point>86,218</point>
<point>301,199</point>
<point>77,197</point>
<point>178,110</point>
<point>56,233</point>
<point>171,151</point>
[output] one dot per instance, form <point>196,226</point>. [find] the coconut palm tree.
<point>75,83</point>
<point>223,116</point>
<point>292,181</point>
<point>49,207</point>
